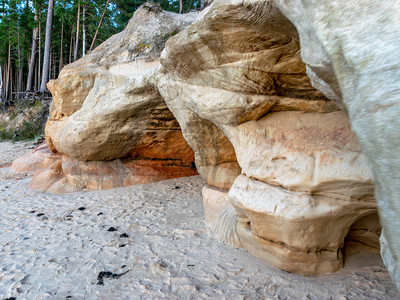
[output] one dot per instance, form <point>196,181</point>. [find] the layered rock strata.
<point>108,122</point>
<point>296,177</point>
<point>356,64</point>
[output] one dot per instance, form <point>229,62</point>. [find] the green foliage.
<point>126,9</point>
<point>166,36</point>
<point>6,135</point>
<point>18,22</point>
<point>14,114</point>
<point>30,128</point>
<point>38,103</point>
<point>141,47</point>
<point>173,5</point>
<point>35,124</point>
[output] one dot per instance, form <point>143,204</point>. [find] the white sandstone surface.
<point>351,49</point>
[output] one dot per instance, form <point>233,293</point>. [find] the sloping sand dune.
<point>144,242</point>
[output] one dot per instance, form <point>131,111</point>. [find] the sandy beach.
<point>144,242</point>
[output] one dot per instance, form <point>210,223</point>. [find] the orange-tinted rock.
<point>48,171</point>
<point>104,103</point>
<point>122,172</point>
<point>59,173</point>
<point>108,122</point>
<point>31,161</point>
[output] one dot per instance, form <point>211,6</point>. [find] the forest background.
<point>39,37</point>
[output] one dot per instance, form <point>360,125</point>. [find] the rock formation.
<point>356,63</point>
<point>263,92</point>
<point>108,122</point>
<point>239,89</point>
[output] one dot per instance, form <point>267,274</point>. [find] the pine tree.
<point>47,47</point>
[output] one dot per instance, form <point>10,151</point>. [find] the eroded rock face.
<point>31,161</point>
<point>296,176</point>
<point>106,102</point>
<point>108,122</point>
<point>47,168</point>
<point>357,65</point>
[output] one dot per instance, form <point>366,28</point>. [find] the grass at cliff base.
<point>24,121</point>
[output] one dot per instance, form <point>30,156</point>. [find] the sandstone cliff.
<point>107,121</point>
<point>296,176</point>
<point>262,91</point>
<point>352,54</point>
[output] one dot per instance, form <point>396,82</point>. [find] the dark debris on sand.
<point>107,274</point>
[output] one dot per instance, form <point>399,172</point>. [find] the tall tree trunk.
<point>50,62</point>
<point>180,6</point>
<point>98,27</point>
<point>10,98</point>
<point>20,77</point>
<point>62,45</point>
<point>47,46</point>
<point>8,73</point>
<point>70,45</point>
<point>33,59</point>
<point>37,78</point>
<point>3,91</point>
<point>83,32</point>
<point>20,68</point>
<point>54,64</point>
<point>1,84</point>
<point>3,80</point>
<point>77,33</point>
<point>40,47</point>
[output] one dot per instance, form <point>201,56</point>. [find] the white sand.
<point>169,254</point>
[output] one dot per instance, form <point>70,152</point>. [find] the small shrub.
<point>38,103</point>
<point>142,47</point>
<point>34,126</point>
<point>6,135</point>
<point>30,128</point>
<point>13,115</point>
